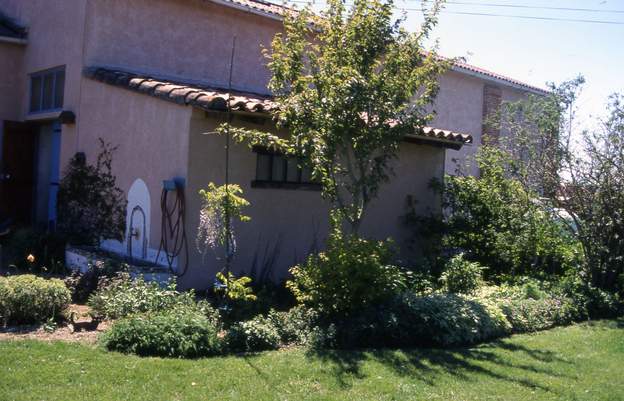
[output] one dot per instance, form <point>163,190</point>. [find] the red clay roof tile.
<point>215,99</point>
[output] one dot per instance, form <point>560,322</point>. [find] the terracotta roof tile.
<point>216,99</point>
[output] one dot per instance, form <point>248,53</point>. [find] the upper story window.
<point>274,170</point>
<point>46,90</point>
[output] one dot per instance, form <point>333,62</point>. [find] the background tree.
<point>349,86</point>
<point>583,172</point>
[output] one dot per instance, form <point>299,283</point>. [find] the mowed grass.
<point>581,362</point>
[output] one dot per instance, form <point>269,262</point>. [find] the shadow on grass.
<point>427,365</point>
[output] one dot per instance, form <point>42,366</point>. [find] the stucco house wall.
<point>459,106</point>
<point>190,39</point>
<point>11,80</point>
<point>54,39</point>
<point>287,224</point>
<point>151,137</point>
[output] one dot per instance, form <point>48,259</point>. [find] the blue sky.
<point>537,51</point>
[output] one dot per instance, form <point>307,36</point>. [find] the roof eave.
<point>444,143</point>
<point>251,10</point>
<point>503,82</point>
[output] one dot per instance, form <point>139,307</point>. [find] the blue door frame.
<point>55,164</point>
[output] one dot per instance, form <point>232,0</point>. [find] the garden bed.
<point>61,333</point>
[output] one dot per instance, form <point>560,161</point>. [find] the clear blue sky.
<point>537,51</point>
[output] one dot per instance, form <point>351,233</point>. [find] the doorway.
<point>17,172</point>
<point>29,173</point>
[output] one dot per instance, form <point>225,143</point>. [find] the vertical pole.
<point>228,236</point>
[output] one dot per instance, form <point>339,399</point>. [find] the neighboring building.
<point>148,76</point>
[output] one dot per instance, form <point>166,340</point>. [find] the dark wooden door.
<point>17,175</point>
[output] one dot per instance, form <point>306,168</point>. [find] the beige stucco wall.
<point>151,136</point>
<point>189,39</point>
<point>292,222</point>
<point>459,107</point>
<point>54,39</point>
<point>11,80</point>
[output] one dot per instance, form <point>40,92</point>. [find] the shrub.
<point>121,297</point>
<point>257,334</point>
<point>437,319</point>
<point>527,315</point>
<point>29,299</point>
<point>179,332</point>
<point>497,222</point>
<point>353,273</point>
<point>461,276</point>
<point>593,302</point>
<point>83,285</point>
<point>296,325</point>
<point>90,205</point>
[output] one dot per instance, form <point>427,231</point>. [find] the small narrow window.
<point>35,93</point>
<point>274,170</point>
<point>263,167</point>
<point>47,90</point>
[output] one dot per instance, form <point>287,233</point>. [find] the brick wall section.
<point>492,98</point>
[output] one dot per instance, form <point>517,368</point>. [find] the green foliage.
<point>348,89</point>
<point>180,332</point>
<point>28,299</point>
<point>83,285</point>
<point>583,172</point>
<point>47,249</point>
<point>257,334</point>
<point>235,289</point>
<point>594,302</point>
<point>120,297</point>
<point>410,320</point>
<point>497,223</point>
<point>462,276</point>
<point>90,205</point>
<point>446,319</point>
<point>222,205</point>
<point>296,325</point>
<point>527,315</point>
<point>353,273</point>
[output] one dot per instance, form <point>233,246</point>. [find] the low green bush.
<point>432,320</point>
<point>528,315</point>
<point>121,296</point>
<point>295,325</point>
<point>461,276</point>
<point>29,299</point>
<point>257,334</point>
<point>352,274</point>
<point>594,302</point>
<point>180,332</point>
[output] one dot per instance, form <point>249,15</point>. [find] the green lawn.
<point>583,362</point>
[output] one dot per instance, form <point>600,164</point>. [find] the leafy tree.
<point>582,171</point>
<point>90,205</point>
<point>500,223</point>
<point>349,86</point>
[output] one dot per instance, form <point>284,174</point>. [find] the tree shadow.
<point>428,364</point>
